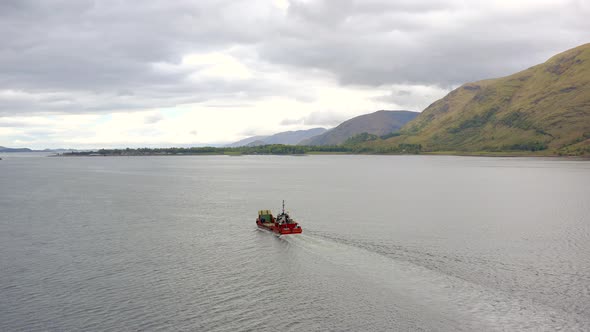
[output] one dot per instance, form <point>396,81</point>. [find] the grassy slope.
<point>548,104</point>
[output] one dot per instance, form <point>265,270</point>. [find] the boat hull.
<point>280,229</point>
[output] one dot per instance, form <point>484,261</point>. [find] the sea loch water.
<point>389,243</point>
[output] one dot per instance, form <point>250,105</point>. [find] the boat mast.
<point>283,206</point>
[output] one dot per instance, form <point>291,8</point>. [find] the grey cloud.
<point>15,124</point>
<point>228,105</point>
<point>290,122</point>
<point>426,42</point>
<point>99,56</point>
<point>110,48</point>
<point>40,132</point>
<point>125,92</point>
<point>151,119</point>
<point>324,119</point>
<point>317,118</point>
<point>413,98</point>
<point>68,101</point>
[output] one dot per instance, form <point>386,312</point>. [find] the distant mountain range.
<point>543,108</point>
<point>286,137</point>
<point>5,149</point>
<point>377,123</point>
<point>246,141</point>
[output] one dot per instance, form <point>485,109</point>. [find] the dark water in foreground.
<point>389,243</point>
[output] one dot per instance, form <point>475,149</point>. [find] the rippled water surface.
<point>389,243</point>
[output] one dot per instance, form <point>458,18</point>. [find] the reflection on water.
<point>389,243</point>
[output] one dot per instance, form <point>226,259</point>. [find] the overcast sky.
<point>103,73</point>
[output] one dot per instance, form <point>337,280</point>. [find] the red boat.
<point>282,224</point>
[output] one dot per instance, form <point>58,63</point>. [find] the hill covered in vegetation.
<point>544,109</point>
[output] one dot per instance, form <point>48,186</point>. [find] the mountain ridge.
<point>377,123</point>
<point>291,137</point>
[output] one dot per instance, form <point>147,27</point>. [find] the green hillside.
<point>544,110</point>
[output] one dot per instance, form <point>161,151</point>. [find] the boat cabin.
<point>265,216</point>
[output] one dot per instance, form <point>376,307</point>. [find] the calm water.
<point>389,243</point>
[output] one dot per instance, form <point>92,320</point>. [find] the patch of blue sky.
<point>104,119</point>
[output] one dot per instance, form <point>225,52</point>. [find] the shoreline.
<point>445,153</point>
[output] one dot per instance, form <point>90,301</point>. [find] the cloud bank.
<point>282,63</point>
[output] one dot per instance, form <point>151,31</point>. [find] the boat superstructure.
<point>281,224</point>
